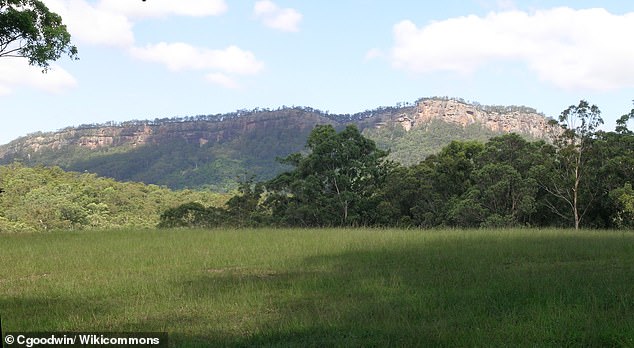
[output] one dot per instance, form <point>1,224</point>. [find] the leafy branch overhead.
<point>28,29</point>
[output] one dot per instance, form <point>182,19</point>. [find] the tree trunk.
<point>575,192</point>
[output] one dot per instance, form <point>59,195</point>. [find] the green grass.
<point>333,287</point>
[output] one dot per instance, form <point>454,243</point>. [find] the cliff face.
<point>211,151</point>
<point>463,114</point>
<point>294,120</point>
<point>192,132</point>
<point>88,138</point>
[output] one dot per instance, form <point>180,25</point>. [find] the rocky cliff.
<point>211,151</point>
<point>519,120</point>
<point>133,134</point>
<point>138,133</point>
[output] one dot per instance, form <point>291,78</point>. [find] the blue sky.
<point>164,58</point>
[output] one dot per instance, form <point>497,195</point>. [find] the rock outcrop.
<point>460,113</point>
<point>142,133</point>
<point>297,121</point>
<point>212,150</point>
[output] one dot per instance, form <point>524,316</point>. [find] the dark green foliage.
<point>241,210</point>
<point>467,184</point>
<point>623,214</point>
<point>176,164</point>
<point>341,178</point>
<point>336,184</point>
<point>344,180</point>
<point>572,180</point>
<point>193,214</point>
<point>244,209</point>
<point>28,29</point>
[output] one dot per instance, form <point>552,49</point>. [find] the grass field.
<point>332,287</point>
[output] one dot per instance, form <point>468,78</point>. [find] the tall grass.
<point>332,287</point>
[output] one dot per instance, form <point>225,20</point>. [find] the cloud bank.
<point>110,23</point>
<point>17,72</point>
<point>93,25</point>
<point>181,56</point>
<point>284,19</point>
<point>571,49</point>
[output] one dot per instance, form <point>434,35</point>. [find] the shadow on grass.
<point>49,314</point>
<point>486,292</point>
<point>489,290</point>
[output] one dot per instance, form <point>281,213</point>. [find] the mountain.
<point>213,150</point>
<point>416,132</point>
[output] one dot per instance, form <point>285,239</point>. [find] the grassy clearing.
<point>330,287</point>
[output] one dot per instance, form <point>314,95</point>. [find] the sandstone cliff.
<point>135,134</point>
<point>212,150</point>
<point>460,113</point>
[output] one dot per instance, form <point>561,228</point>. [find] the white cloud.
<point>17,72</point>
<point>110,23</point>
<point>222,80</point>
<point>566,47</point>
<point>223,63</point>
<point>285,19</point>
<point>93,25</point>
<point>160,8</point>
<point>181,56</point>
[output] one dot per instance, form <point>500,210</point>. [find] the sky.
<point>166,58</point>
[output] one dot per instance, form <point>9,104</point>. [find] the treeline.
<point>238,114</point>
<point>583,179</point>
<point>341,118</point>
<point>488,108</point>
<point>41,198</point>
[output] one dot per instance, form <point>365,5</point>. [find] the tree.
<point>621,123</point>
<point>452,177</point>
<point>30,30</point>
<point>336,184</point>
<point>245,209</point>
<point>504,179</point>
<point>572,168</point>
<point>192,214</point>
<point>624,199</point>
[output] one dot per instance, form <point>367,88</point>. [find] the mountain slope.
<point>212,151</point>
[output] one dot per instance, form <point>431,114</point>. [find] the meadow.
<point>326,287</point>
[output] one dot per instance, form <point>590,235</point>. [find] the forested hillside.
<point>40,199</point>
<point>211,151</point>
<point>583,179</point>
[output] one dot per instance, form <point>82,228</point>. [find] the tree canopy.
<point>583,179</point>
<point>572,183</point>
<point>334,185</point>
<point>30,30</point>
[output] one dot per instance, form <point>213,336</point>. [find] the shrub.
<point>193,214</point>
